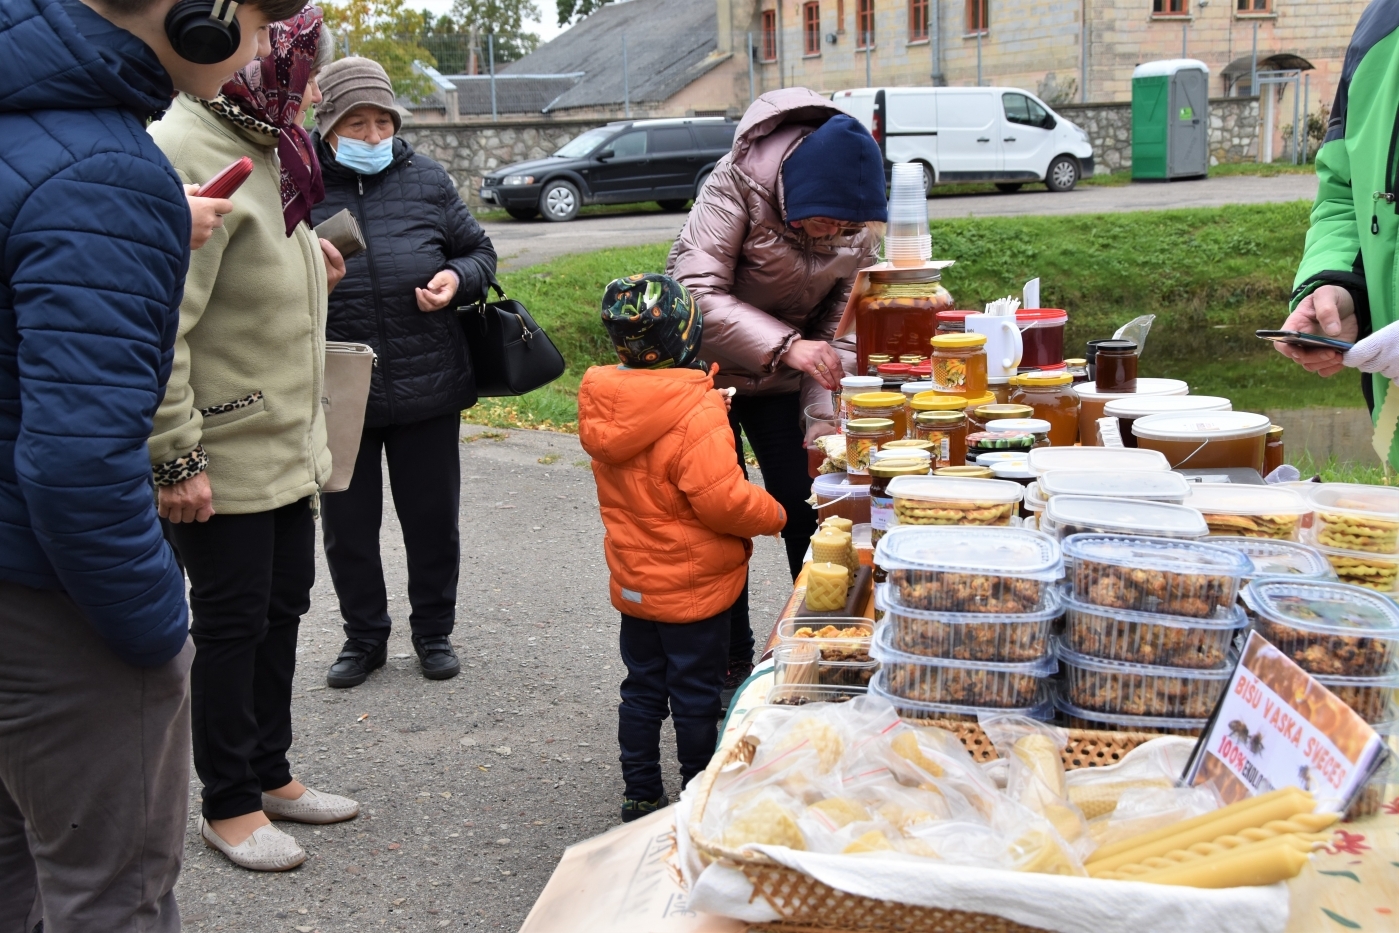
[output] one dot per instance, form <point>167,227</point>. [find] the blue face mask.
<point>359,156</point>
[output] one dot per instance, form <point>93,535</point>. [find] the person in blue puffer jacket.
<point>95,234</point>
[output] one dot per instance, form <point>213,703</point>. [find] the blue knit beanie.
<point>836,172</point>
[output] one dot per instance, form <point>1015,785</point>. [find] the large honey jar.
<point>897,316</point>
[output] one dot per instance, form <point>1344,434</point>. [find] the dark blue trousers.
<point>676,670</point>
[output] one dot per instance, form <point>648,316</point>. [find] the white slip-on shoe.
<point>267,849</point>
<point>311,807</point>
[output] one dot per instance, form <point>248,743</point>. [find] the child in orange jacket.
<point>679,516</point>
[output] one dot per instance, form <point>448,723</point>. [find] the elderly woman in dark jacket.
<point>426,256</point>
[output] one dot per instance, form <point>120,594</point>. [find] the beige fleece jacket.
<point>245,390</point>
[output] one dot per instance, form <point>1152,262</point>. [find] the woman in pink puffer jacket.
<point>770,253</point>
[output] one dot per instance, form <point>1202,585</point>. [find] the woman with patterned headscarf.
<point>239,448</point>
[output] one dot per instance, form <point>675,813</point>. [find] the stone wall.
<point>470,150</point>
<point>1233,131</point>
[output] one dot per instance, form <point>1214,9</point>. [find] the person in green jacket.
<point>1347,286</point>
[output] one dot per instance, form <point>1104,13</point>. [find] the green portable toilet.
<point>1171,120</point>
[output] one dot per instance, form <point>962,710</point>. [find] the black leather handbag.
<point>510,353</point>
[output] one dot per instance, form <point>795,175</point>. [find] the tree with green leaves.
<point>573,10</point>
<point>502,20</point>
<point>388,32</point>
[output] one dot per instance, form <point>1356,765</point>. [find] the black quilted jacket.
<point>416,225</point>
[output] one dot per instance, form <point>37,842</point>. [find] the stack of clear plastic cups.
<point>908,242</point>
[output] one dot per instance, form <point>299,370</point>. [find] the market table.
<point>625,881</point>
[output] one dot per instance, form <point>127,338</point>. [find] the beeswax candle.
<point>839,524</point>
<point>826,587</point>
<point>829,546</point>
<point>1256,811</point>
<point>1260,863</point>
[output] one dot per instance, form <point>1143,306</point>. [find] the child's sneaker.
<point>636,809</point>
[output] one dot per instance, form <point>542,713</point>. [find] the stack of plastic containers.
<point>832,654</point>
<point>1147,486</point>
<point>1148,627</point>
<point>1347,637</point>
<point>1236,510</point>
<point>1357,528</point>
<point>1071,515</point>
<point>968,614</point>
<point>908,242</point>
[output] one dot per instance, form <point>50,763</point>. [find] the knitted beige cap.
<point>352,82</point>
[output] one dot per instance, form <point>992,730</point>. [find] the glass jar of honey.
<point>851,386</point>
<point>891,405</point>
<point>893,375</point>
<point>1052,397</point>
<point>1116,366</point>
<point>898,314</point>
<point>1001,387</point>
<point>959,364</point>
<point>954,322</point>
<point>1273,450</point>
<point>1078,369</point>
<point>912,359</point>
<point>979,416</point>
<point>947,432</point>
<point>876,360</point>
<point>863,436</point>
<point>881,503</point>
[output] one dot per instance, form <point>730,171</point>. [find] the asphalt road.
<point>525,243</point>
<point>471,787</point>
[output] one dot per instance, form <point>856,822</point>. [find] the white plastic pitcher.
<point>1004,345</point>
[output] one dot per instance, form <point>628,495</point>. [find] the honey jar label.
<point>881,512</point>
<point>942,446</point>
<point>950,374</point>
<point>858,451</point>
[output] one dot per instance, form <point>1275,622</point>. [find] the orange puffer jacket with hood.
<point>678,512</point>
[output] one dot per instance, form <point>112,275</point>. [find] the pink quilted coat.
<point>761,284</point>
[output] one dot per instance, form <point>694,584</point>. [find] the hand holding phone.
<point>229,180</point>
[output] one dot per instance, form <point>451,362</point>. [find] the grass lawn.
<point>1211,277</point>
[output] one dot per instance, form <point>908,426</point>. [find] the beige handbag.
<point>348,367</point>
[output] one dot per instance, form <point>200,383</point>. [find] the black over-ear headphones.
<point>204,31</point>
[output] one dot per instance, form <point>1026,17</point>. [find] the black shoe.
<point>738,672</point>
<point>636,809</point>
<point>436,656</point>
<point>355,662</point>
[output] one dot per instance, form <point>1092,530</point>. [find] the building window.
<point>811,28</point>
<point>1255,6</point>
<point>769,50</point>
<point>840,16</point>
<point>978,16</point>
<point>917,20</point>
<point>1180,7</point>
<point>864,23</point>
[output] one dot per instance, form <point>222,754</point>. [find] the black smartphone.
<point>1296,338</point>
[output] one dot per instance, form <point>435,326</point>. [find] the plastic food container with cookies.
<point>1327,628</point>
<point>917,711</point>
<point>1273,558</point>
<point>1102,460</point>
<point>969,636</point>
<point>1150,485</point>
<point>1079,718</point>
<point>802,694</point>
<point>1372,571</point>
<point>1006,570</point>
<point>1150,637</point>
<point>1238,510</point>
<point>942,500</point>
<point>1180,578</point>
<point>1098,685</point>
<point>1352,517</point>
<point>965,683</point>
<point>840,639</point>
<point>1372,698</point>
<point>807,664</point>
<point>1072,515</point>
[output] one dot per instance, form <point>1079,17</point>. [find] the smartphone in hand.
<point>227,181</point>
<point>1296,338</point>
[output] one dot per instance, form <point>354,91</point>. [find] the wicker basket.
<point>806,904</point>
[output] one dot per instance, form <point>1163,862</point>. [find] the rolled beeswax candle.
<point>1262,863</point>
<point>829,546</point>
<point>1256,811</point>
<point>839,524</point>
<point>826,586</point>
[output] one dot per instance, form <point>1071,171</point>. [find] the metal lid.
<point>909,444</point>
<point>1043,379</point>
<point>1117,346</point>
<point>936,401</point>
<point>958,341</point>
<point>995,412</point>
<point>868,427</point>
<point>939,418</point>
<point>878,400</point>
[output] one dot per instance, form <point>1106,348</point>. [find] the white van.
<point>961,134</point>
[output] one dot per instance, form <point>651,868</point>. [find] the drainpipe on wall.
<point>1083,51</point>
<point>939,79</point>
<point>781,49</point>
<point>750,66</point>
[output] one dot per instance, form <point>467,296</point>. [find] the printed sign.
<point>1277,727</point>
